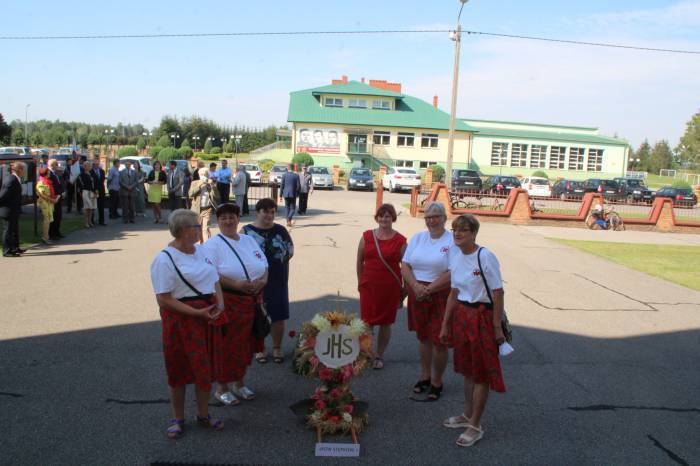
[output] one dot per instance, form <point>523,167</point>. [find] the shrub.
<point>127,151</point>
<point>682,184</point>
<point>164,141</point>
<point>204,156</point>
<point>341,173</point>
<point>540,173</point>
<point>168,153</point>
<point>266,164</point>
<point>215,150</point>
<point>185,152</point>
<point>207,146</point>
<point>302,158</point>
<point>153,151</point>
<point>438,173</point>
<point>141,144</point>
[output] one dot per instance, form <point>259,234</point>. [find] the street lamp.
<point>457,37</point>
<point>147,135</point>
<point>237,139</point>
<point>174,137</point>
<point>195,139</point>
<point>108,133</point>
<point>26,134</point>
<point>223,144</point>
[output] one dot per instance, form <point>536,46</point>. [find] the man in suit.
<point>98,178</point>
<point>306,189</point>
<point>239,185</point>
<point>54,177</point>
<point>289,190</point>
<point>174,183</point>
<point>127,192</point>
<point>11,207</point>
<point>113,188</point>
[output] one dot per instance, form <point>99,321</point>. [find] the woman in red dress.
<point>379,277</point>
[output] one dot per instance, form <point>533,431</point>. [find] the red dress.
<point>425,317</point>
<point>380,293</point>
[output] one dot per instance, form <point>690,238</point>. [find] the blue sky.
<point>247,80</point>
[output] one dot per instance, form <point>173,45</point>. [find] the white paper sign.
<point>338,449</point>
<point>335,348</point>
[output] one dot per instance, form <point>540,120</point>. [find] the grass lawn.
<point>69,224</point>
<point>677,264</point>
<point>656,181</point>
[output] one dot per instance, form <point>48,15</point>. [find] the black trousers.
<point>113,204</point>
<point>10,242</point>
<point>70,194</point>
<point>174,202</point>
<point>100,210</point>
<point>244,208</point>
<point>224,191</point>
<point>303,201</point>
<point>55,226</point>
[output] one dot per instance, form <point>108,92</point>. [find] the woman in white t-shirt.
<point>425,271</point>
<point>243,275</point>
<point>475,322</point>
<point>187,290</point>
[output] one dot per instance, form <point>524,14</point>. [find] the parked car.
<point>680,197</point>
<point>568,189</point>
<point>466,180</point>
<point>321,177</point>
<point>17,150</point>
<point>536,186</point>
<point>361,178</point>
<point>144,161</point>
<point>608,188</point>
<point>276,172</point>
<point>254,172</point>
<point>500,184</point>
<point>634,189</point>
<point>181,164</point>
<point>398,178</point>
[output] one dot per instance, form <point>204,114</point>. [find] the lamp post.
<point>175,137</point>
<point>457,37</point>
<point>26,124</point>
<point>195,139</point>
<point>223,144</point>
<point>147,135</point>
<point>108,136</point>
<point>237,139</point>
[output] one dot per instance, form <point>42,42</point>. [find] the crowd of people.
<point>208,294</point>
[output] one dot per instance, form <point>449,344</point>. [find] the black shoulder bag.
<point>505,325</point>
<point>261,321</point>
<point>197,292</point>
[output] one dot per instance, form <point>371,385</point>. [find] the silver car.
<point>276,173</point>
<point>321,177</point>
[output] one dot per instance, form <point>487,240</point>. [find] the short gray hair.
<point>21,165</point>
<point>437,207</point>
<point>203,172</point>
<point>179,219</point>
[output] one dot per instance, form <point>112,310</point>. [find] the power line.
<point>338,33</point>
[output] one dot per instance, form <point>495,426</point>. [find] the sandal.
<point>467,440</point>
<point>378,364</point>
<point>209,421</point>
<point>457,422</point>
<point>227,398</point>
<point>434,392</point>
<point>421,386</point>
<point>261,358</point>
<point>174,430</point>
<point>277,359</point>
<point>244,393</point>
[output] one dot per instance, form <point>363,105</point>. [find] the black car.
<point>681,197</point>
<point>568,189</point>
<point>608,188</point>
<point>360,178</point>
<point>500,184</point>
<point>466,180</point>
<point>634,189</point>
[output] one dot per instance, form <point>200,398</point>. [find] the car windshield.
<point>318,171</point>
<point>635,183</point>
<point>251,168</point>
<point>407,171</point>
<point>509,179</point>
<point>609,183</point>
<point>465,173</point>
<point>540,181</point>
<point>361,172</point>
<point>278,169</point>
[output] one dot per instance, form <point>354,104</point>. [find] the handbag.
<point>404,292</point>
<point>505,325</point>
<point>261,320</point>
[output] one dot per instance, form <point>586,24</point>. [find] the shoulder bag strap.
<point>181,276</point>
<point>483,277</point>
<point>239,257</point>
<point>381,258</point>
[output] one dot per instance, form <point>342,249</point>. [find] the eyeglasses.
<point>433,217</point>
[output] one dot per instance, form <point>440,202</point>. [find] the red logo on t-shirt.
<point>476,273</point>
<point>258,255</point>
<point>206,259</point>
<point>444,249</point>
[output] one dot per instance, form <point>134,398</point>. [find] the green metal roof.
<point>410,112</point>
<point>543,125</point>
<point>356,88</point>
<point>548,135</point>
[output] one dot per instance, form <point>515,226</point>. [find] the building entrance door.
<point>357,143</point>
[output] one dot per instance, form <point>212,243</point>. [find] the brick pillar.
<point>379,199</point>
<point>666,221</point>
<point>428,178</point>
<point>521,209</point>
<point>336,174</point>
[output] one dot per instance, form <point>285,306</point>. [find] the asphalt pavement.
<point>605,369</point>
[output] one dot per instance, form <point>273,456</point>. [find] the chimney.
<point>345,79</point>
<point>381,84</point>
<point>435,101</point>
<point>342,80</point>
<point>362,80</point>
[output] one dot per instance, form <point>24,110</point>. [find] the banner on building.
<point>318,141</point>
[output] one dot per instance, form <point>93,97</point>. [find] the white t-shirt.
<point>464,272</point>
<point>196,269</point>
<point>226,262</point>
<point>428,257</point>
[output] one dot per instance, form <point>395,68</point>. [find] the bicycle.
<point>605,219</point>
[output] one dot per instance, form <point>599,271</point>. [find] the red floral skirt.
<point>186,348</point>
<point>425,317</point>
<point>475,349</point>
<point>232,340</point>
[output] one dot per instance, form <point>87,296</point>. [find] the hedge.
<point>302,158</point>
<point>127,151</point>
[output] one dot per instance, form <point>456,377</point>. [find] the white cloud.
<point>680,17</point>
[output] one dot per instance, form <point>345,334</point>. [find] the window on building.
<point>576,156</point>
<point>557,158</point>
<point>499,154</point>
<point>404,163</point>
<point>333,102</point>
<point>381,138</point>
<point>518,155</point>
<point>429,140</point>
<point>595,160</point>
<point>538,156</point>
<point>427,164</point>
<point>381,105</point>
<point>357,103</point>
<point>405,139</point>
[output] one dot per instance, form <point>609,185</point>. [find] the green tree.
<point>127,151</point>
<point>688,148</point>
<point>185,152</point>
<point>302,158</point>
<point>5,131</point>
<point>660,157</point>
<point>438,173</point>
<point>215,150</point>
<point>540,173</point>
<point>164,141</point>
<point>93,139</point>
<point>207,146</point>
<point>141,143</point>
<point>642,154</point>
<point>153,151</point>
<point>168,153</point>
<point>185,142</point>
